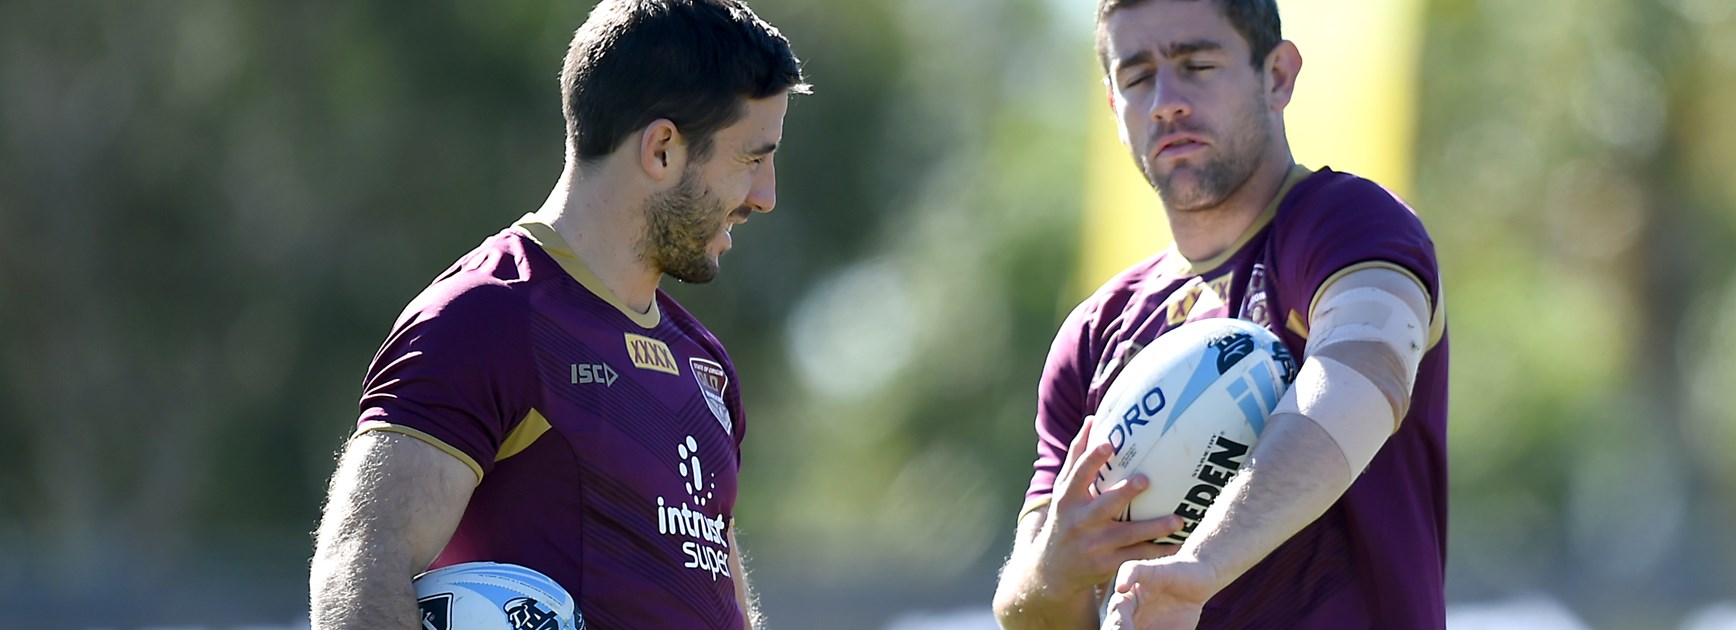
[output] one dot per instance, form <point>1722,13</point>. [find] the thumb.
<point>1128,576</point>
<point>1121,609</point>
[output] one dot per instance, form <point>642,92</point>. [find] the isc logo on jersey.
<point>587,373</point>
<point>707,544</point>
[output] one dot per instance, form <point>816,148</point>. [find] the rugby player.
<point>1338,519</point>
<point>543,402</point>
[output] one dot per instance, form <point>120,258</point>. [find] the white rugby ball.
<point>1186,411</point>
<point>494,596</point>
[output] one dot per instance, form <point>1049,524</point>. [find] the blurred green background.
<point>211,211</point>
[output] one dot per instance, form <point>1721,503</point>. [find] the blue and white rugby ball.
<point>1187,410</point>
<point>494,596</point>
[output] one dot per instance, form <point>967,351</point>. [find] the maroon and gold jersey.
<point>606,440</point>
<point>1376,559</point>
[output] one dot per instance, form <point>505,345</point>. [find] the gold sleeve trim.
<point>380,425</point>
<point>1438,325</point>
<point>1034,505</point>
<point>1297,325</point>
<point>532,427</point>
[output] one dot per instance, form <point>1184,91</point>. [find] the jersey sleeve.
<point>456,371</point>
<point>1061,399</point>
<point>1350,224</point>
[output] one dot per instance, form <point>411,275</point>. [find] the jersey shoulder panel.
<point>457,368</point>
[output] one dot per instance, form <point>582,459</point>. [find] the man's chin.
<point>1181,192</point>
<point>1189,200</point>
<point>695,273</point>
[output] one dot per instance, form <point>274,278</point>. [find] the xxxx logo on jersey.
<point>651,354</point>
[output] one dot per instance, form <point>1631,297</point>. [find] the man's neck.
<point>1207,233</point>
<point>604,229</point>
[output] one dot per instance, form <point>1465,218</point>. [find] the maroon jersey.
<point>1376,559</point>
<point>606,440</point>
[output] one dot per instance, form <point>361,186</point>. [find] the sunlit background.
<point>211,211</point>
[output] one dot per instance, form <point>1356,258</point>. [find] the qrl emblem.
<point>712,381</point>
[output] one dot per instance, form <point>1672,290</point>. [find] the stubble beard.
<point>679,226</point>
<point>1216,178</point>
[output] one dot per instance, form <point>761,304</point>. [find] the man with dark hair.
<point>1338,517</point>
<point>543,403</point>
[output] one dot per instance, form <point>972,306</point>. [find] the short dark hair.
<point>694,62</point>
<point>1256,20</point>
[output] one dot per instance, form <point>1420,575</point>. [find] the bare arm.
<point>1282,488</point>
<point>1024,599</point>
<point>393,504</point>
<point>1350,396</point>
<point>743,592</point>
<point>1353,390</point>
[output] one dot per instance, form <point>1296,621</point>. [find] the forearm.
<point>1024,600</point>
<point>1295,473</point>
<point>359,585</point>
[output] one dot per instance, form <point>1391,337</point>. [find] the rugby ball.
<point>494,596</point>
<point>1186,411</point>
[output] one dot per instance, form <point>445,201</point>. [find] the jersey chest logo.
<point>1256,307</point>
<point>702,529</point>
<point>651,354</point>
<point>1199,299</point>
<point>712,381</point>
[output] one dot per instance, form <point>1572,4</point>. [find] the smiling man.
<point>1338,518</point>
<point>543,403</point>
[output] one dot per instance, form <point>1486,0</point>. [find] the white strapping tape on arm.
<point>1343,400</point>
<point>1372,314</point>
<point>1344,403</point>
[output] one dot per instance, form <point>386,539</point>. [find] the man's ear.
<point>1282,66</point>
<point>662,150</point>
